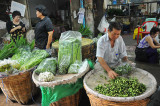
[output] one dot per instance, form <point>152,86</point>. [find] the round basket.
<point>19,87</point>
<point>72,100</point>
<point>92,79</point>
<point>88,49</point>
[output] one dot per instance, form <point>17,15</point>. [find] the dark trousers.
<point>147,55</point>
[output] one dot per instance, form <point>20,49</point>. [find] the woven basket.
<point>88,49</point>
<point>72,100</point>
<point>19,87</point>
<point>97,99</point>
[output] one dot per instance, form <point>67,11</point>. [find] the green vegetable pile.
<point>47,65</point>
<point>122,87</point>
<point>121,70</point>
<point>85,31</point>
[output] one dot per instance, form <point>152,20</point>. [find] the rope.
<point>5,91</point>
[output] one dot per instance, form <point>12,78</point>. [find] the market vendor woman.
<point>43,29</point>
<point>111,50</point>
<point>146,50</point>
<point>15,28</point>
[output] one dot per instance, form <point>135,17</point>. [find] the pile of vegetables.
<point>123,70</point>
<point>47,65</point>
<point>12,48</point>
<point>121,87</point>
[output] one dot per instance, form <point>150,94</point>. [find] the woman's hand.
<point>112,74</point>
<point>19,27</point>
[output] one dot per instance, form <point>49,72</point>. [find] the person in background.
<point>43,29</point>
<point>146,51</point>
<point>15,28</point>
<point>111,50</point>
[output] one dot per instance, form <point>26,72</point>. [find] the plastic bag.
<point>103,25</point>
<point>64,65</point>
<point>47,65</point>
<point>74,68</point>
<point>69,50</point>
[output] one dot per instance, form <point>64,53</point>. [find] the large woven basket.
<point>91,80</point>
<point>72,100</point>
<point>19,87</point>
<point>88,49</point>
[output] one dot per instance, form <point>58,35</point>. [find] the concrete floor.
<point>154,69</point>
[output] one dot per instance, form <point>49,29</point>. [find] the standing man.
<point>43,29</point>
<point>111,50</point>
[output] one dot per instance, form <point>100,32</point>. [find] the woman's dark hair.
<point>154,30</point>
<point>16,13</point>
<point>115,25</point>
<point>42,9</point>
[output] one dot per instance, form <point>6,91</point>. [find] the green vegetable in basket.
<point>36,57</point>
<point>47,65</point>
<point>122,87</point>
<point>74,68</point>
<point>121,70</point>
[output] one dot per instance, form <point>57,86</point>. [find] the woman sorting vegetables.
<point>15,28</point>
<point>110,50</point>
<point>146,50</point>
<point>43,29</point>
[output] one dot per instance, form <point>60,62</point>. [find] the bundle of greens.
<point>47,65</point>
<point>74,68</point>
<point>123,70</point>
<point>122,87</point>
<point>64,65</point>
<point>21,42</point>
<point>7,51</point>
<point>36,57</point>
<point>21,55</point>
<point>85,31</point>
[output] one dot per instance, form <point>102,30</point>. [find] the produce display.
<point>124,69</point>
<point>46,77</point>
<point>122,87</point>
<point>47,65</point>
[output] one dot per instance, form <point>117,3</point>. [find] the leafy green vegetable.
<point>74,68</point>
<point>122,87</point>
<point>7,51</point>
<point>47,65</point>
<point>85,31</point>
<point>121,70</point>
<point>36,57</point>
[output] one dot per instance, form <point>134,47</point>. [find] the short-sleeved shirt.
<point>143,43</point>
<point>112,56</point>
<point>17,33</point>
<point>41,32</point>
